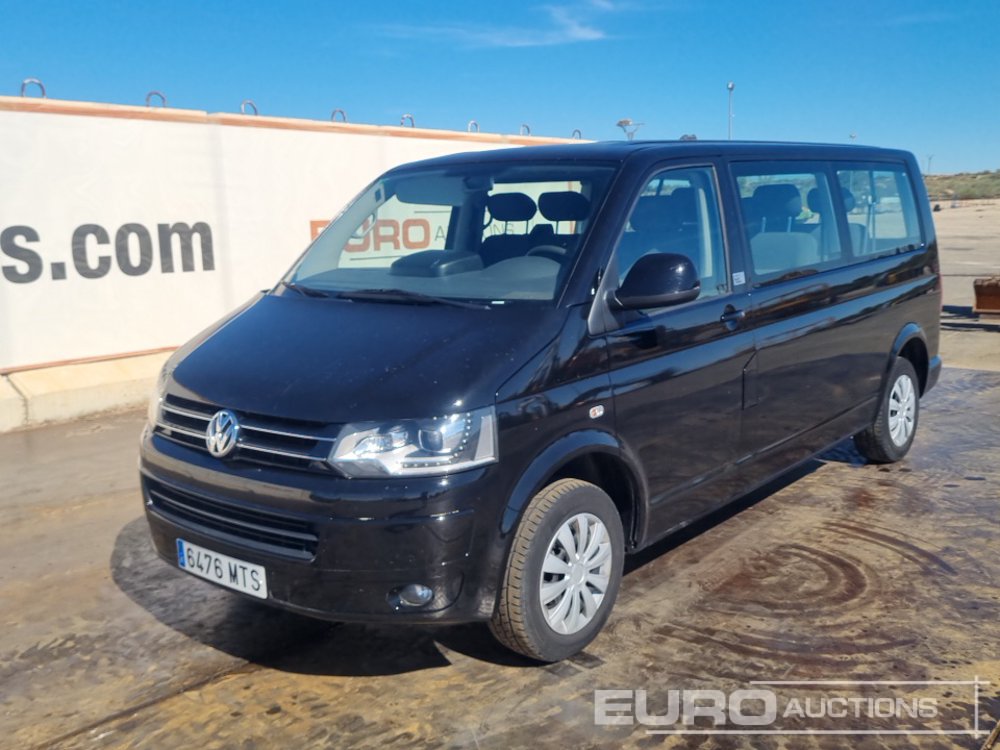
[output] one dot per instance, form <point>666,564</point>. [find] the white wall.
<point>256,187</point>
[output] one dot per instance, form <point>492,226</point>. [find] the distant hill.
<point>964,186</point>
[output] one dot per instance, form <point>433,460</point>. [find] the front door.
<point>677,372</point>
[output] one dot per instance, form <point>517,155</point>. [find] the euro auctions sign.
<point>135,251</point>
<point>126,229</point>
<point>837,707</point>
<point>393,235</point>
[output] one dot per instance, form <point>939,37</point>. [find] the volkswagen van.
<point>495,375</point>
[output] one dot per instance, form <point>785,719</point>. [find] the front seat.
<point>508,207</point>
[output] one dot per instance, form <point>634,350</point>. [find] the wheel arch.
<point>592,456</point>
<point>911,344</point>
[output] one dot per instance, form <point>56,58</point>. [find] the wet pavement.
<point>842,571</point>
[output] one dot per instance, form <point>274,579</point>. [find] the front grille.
<point>267,530</point>
<point>290,444</point>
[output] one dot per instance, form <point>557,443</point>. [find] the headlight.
<point>156,397</point>
<point>417,447</point>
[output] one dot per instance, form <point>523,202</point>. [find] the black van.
<point>496,374</point>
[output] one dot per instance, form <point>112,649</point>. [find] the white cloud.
<point>564,24</point>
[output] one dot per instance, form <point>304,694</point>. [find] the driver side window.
<point>678,212</point>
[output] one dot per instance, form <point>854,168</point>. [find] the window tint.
<point>678,212</point>
<point>789,219</point>
<point>881,210</point>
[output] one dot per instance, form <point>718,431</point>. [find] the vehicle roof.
<point>620,151</point>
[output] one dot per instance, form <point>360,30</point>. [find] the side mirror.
<point>657,280</point>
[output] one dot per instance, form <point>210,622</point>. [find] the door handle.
<point>732,317</point>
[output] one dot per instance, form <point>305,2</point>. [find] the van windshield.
<point>491,233</point>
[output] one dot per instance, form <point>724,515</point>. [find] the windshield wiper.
<point>306,291</point>
<point>404,296</point>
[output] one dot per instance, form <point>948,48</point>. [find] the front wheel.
<point>563,573</point>
<point>890,436</point>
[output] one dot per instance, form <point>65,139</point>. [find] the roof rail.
<point>28,82</point>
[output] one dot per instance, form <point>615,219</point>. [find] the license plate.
<point>222,569</point>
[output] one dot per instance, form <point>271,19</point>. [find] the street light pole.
<point>929,157</point>
<point>730,86</point>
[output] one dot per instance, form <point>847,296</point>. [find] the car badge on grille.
<point>222,433</point>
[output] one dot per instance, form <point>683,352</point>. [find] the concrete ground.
<point>969,246</point>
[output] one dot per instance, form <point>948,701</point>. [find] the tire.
<point>890,436</point>
<point>580,594</point>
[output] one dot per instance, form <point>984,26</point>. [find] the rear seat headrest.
<point>567,205</point>
<point>782,200</point>
<point>654,214</point>
<point>849,200</point>
<point>542,234</point>
<point>686,204</point>
<point>511,207</point>
<point>815,200</point>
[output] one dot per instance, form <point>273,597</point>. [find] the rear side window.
<point>881,210</point>
<point>789,219</point>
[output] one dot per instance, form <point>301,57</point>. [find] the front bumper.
<point>334,548</point>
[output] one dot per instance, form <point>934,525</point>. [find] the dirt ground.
<point>841,571</point>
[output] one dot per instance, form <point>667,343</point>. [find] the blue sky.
<point>919,75</point>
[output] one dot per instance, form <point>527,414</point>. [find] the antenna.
<point>730,87</point>
<point>629,127</point>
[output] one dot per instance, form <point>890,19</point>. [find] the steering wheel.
<point>552,252</point>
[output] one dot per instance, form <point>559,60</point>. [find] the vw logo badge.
<point>222,433</point>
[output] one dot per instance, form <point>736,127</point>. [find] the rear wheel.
<point>563,574</point>
<point>890,436</point>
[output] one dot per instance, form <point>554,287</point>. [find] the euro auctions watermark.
<point>795,707</point>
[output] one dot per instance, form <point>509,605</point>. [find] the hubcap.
<point>575,573</point>
<point>902,410</point>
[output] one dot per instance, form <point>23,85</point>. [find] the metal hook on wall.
<point>28,82</point>
<point>248,103</point>
<point>151,94</point>
<point>404,118</point>
<point>342,113</point>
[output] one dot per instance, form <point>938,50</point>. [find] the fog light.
<point>415,595</point>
